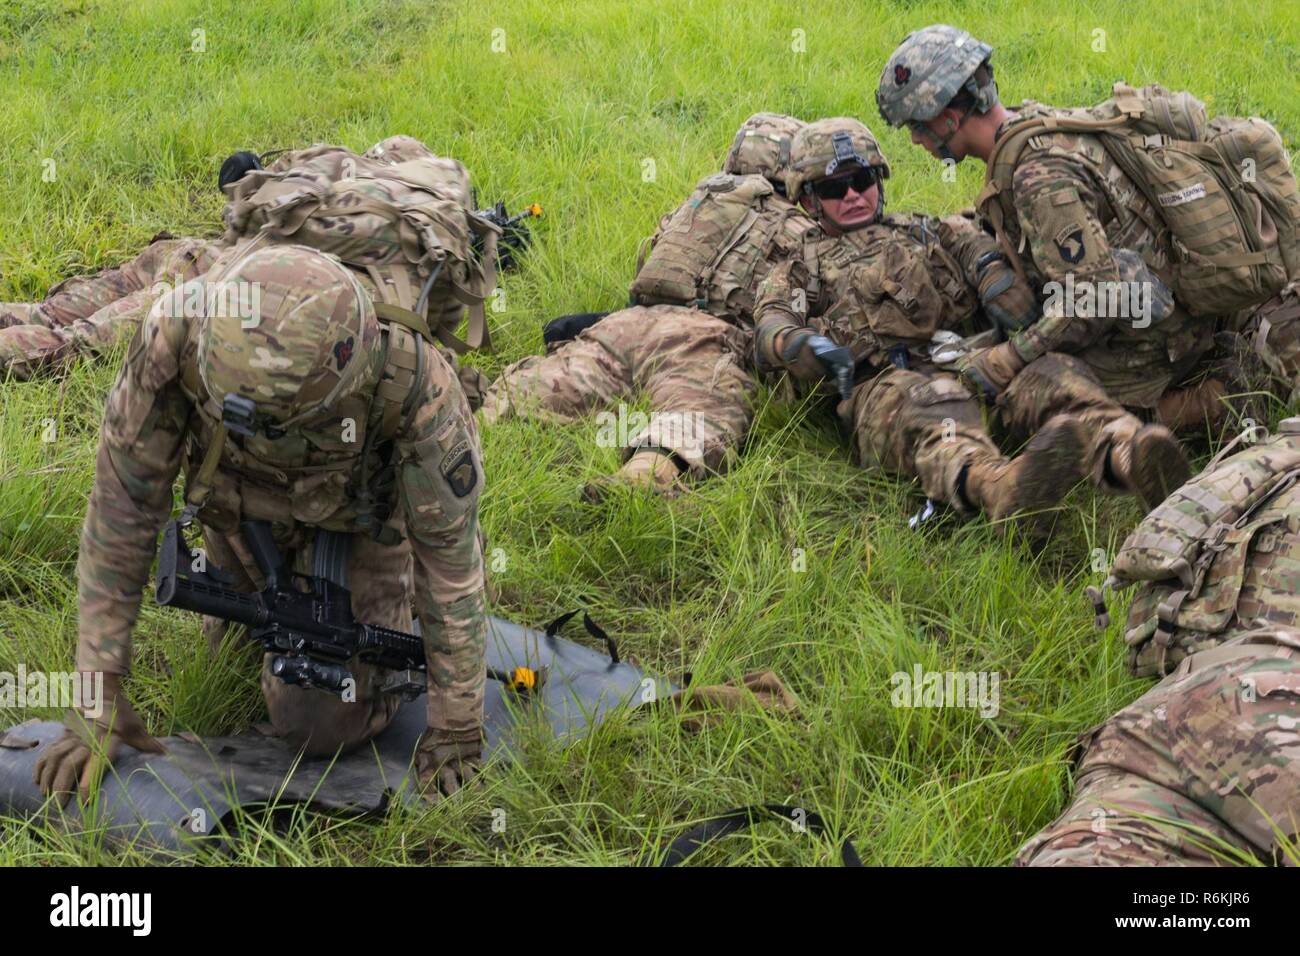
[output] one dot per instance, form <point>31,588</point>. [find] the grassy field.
<point>133,110</point>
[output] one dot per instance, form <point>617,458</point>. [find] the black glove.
<point>835,359</point>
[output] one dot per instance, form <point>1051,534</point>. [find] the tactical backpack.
<point>714,250</point>
<point>409,226</point>
<point>1223,189</point>
<point>762,147</point>
<point>1219,555</point>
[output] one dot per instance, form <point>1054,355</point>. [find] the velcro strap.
<point>1191,525</point>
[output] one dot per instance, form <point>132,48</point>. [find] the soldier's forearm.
<point>1059,332</point>
<point>116,551</point>
<point>452,607</point>
<point>455,643</point>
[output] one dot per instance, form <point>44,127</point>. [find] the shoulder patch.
<point>1069,243</point>
<point>458,469</point>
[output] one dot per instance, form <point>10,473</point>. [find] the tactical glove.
<point>835,361</point>
<point>1006,298</point>
<point>444,766</point>
<point>90,743</point>
<point>989,371</point>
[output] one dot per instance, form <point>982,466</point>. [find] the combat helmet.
<point>826,145</point>
<point>928,69</point>
<point>286,332</point>
<point>762,147</point>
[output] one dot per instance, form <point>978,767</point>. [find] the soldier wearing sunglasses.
<point>862,326</point>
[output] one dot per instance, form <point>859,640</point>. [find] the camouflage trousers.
<point>1054,384</point>
<point>89,313</point>
<point>380,578</point>
<point>1202,770</point>
<point>920,423</point>
<point>692,366</point>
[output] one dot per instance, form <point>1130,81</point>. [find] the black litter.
<point>167,800</point>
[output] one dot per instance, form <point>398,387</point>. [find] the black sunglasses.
<point>860,179</point>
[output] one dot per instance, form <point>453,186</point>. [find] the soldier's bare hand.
<point>91,743</point>
<point>443,766</point>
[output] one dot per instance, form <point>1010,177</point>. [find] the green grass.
<point>137,124</point>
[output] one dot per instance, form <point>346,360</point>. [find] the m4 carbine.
<point>305,622</point>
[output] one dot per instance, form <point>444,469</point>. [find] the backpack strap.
<point>199,489</point>
<point>402,377</point>
<point>998,177</point>
<point>1165,626</point>
<point>393,311</point>
<point>477,336</point>
<point>399,387</point>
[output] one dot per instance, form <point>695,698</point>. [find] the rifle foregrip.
<point>211,599</point>
<point>174,589</point>
<point>390,648</point>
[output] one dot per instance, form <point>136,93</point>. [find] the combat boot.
<point>1053,462</point>
<point>1151,464</point>
<point>647,468</point>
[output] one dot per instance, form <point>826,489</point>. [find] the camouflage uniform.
<point>1075,208</point>
<point>691,361</point>
<point>87,314</point>
<point>1204,768</point>
<point>692,366</point>
<point>160,420</point>
<point>1074,215</point>
<point>884,290</point>
<point>908,274</point>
